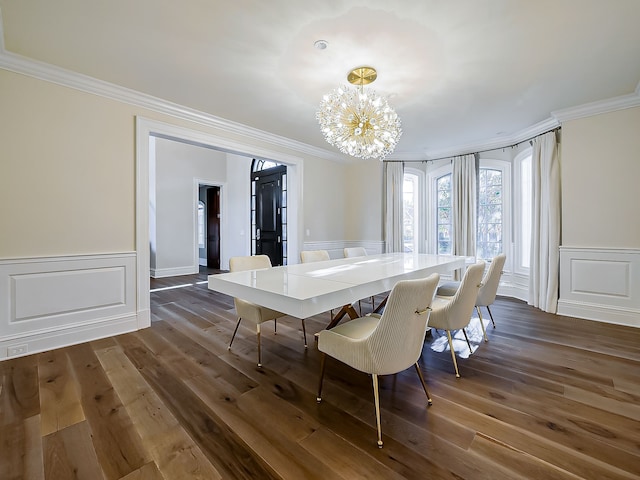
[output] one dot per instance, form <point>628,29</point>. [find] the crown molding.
<point>595,108</point>
<point>555,120</point>
<point>491,144</point>
<point>50,73</point>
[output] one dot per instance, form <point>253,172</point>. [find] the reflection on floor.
<point>440,343</point>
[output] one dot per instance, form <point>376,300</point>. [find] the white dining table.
<point>307,289</point>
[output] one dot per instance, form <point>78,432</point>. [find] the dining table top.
<point>306,289</point>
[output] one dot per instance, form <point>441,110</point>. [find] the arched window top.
<point>257,165</point>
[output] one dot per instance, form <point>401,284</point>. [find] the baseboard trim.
<point>174,272</point>
<point>599,313</point>
<point>21,345</point>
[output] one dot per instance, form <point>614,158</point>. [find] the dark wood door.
<point>212,220</point>
<point>268,190</point>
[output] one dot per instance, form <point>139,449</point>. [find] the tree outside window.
<point>444,225</point>
<point>490,213</point>
<point>411,213</point>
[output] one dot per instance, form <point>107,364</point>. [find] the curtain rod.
<point>554,129</point>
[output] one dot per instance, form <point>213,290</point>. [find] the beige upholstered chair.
<point>352,252</point>
<point>250,311</point>
<point>387,344</point>
<point>454,313</point>
<point>308,256</point>
<point>355,252</point>
<point>488,290</point>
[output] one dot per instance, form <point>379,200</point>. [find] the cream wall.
<point>72,247</point>
<point>324,200</point>
<point>237,238</point>
<point>600,171</point>
<point>179,168</point>
<point>67,172</point>
<point>364,201</point>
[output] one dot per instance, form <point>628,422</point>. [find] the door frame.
<point>146,128</point>
<point>197,183</point>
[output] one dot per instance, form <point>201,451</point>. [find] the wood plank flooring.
<point>548,397</point>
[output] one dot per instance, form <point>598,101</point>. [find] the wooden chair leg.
<point>424,384</point>
<point>323,359</point>
<point>484,332</point>
<point>453,353</point>
<point>275,326</point>
<point>376,399</point>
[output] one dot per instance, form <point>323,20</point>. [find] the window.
<point>493,209</point>
<point>259,164</point>
<point>524,206</point>
<point>200,224</point>
<point>490,213</point>
<point>411,212</point>
<point>444,226</point>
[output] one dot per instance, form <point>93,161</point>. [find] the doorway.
<point>145,130</point>
<point>209,226</point>
<point>269,202</point>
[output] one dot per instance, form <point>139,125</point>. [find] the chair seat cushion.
<point>448,289</point>
<point>255,313</point>
<point>439,317</point>
<point>357,328</point>
<point>348,343</point>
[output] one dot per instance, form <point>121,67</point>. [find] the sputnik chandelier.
<point>359,123</point>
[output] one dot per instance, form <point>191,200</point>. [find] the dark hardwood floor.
<point>548,397</point>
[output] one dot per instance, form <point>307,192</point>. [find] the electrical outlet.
<point>16,350</point>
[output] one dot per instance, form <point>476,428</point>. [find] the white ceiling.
<point>458,72</point>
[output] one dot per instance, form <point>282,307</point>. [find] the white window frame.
<point>421,206</point>
<point>431,232</point>
<point>431,214</point>
<point>505,167</point>
<point>517,205</point>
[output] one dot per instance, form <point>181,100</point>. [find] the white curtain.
<point>394,178</point>
<point>545,228</point>
<point>463,190</point>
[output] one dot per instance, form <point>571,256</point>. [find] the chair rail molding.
<point>600,284</point>
<point>336,247</point>
<point>53,302</point>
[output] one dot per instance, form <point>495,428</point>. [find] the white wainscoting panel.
<point>58,301</point>
<point>600,284</point>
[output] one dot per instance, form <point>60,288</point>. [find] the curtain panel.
<point>393,218</point>
<point>464,192</point>
<point>546,223</point>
